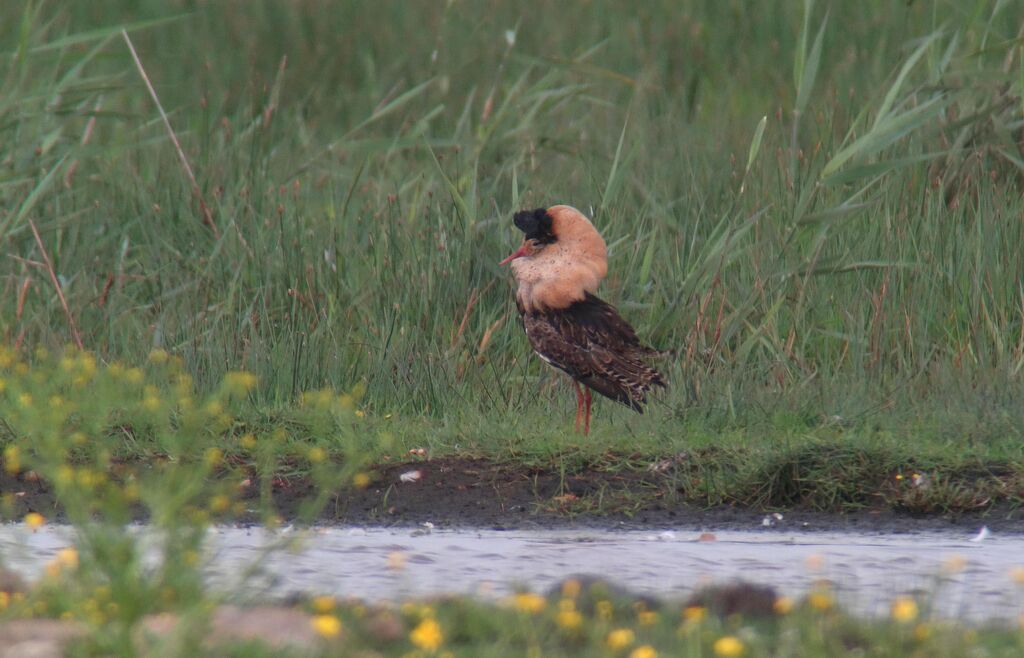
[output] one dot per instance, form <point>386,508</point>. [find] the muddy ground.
<point>466,492</point>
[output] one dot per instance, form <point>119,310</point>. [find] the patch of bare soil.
<point>473,492</point>
<point>463,492</point>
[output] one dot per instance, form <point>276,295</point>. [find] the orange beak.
<point>521,251</point>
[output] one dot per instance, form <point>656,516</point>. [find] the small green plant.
<point>119,443</point>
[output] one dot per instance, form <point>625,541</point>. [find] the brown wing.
<point>592,343</point>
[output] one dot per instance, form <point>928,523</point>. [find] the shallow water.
<point>387,563</point>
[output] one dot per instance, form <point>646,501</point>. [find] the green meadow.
<point>249,244</point>
<point>819,208</point>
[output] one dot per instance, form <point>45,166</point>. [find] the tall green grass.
<point>818,206</point>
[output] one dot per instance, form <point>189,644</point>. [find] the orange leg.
<point>586,424</point>
<point>579,403</point>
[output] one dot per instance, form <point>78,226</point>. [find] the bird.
<point>557,270</point>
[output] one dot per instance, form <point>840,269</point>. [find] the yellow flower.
<point>5,600</point>
<point>569,619</point>
<point>529,602</point>
<point>323,604</point>
<point>922,632</point>
<point>904,609</point>
<point>212,456</point>
<point>605,609</point>
<point>620,638</point>
<point>34,520</point>
<point>360,480</point>
<point>821,600</point>
<point>25,400</point>
<point>694,613</point>
<point>427,635</point>
<point>571,588</point>
<point>158,356</point>
<point>247,441</point>
<point>151,403</point>
<point>647,617</point>
<point>219,504</point>
<point>239,383</point>
<point>643,651</point>
<point>326,625</point>
<point>67,558</point>
<point>12,459</point>
<point>728,647</point>
<point>783,605</point>
<point>317,454</point>
<point>360,413</point>
<point>134,376</point>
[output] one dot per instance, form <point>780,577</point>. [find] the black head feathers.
<point>536,224</point>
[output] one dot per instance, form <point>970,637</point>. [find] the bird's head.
<point>538,233</point>
<point>562,257</point>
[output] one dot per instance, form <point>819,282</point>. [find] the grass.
<point>818,209</point>
<point>823,222</point>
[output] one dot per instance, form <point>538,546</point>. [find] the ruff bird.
<point>557,270</point>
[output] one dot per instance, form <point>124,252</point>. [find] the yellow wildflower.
<point>12,459</point>
<point>643,651</point>
<point>323,604</point>
<point>34,520</point>
<point>134,376</point>
<point>783,605</point>
<point>605,609</point>
<point>151,403</point>
<point>904,609</point>
<point>219,504</point>
<point>694,613</point>
<point>67,558</point>
<point>213,456</point>
<point>529,602</point>
<point>326,625</point>
<point>25,400</point>
<point>317,454</point>
<point>360,480</point>
<point>647,617</point>
<point>427,635</point>
<point>728,647</point>
<point>158,356</point>
<point>239,383</point>
<point>571,588</point>
<point>821,600</point>
<point>620,638</point>
<point>922,632</point>
<point>247,441</point>
<point>360,413</point>
<point>5,600</point>
<point>569,619</point>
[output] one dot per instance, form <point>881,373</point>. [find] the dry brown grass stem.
<point>56,284</point>
<point>207,216</point>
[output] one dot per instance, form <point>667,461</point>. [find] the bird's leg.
<point>586,423</point>
<point>579,403</point>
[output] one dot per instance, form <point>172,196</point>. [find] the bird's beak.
<point>521,251</point>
